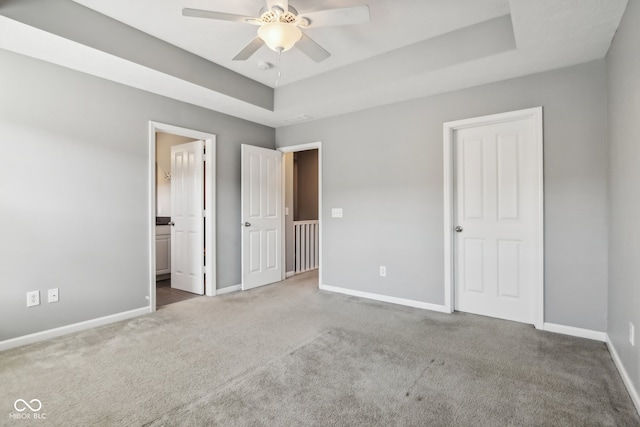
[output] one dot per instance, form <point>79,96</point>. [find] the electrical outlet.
<point>383,271</point>
<point>632,334</point>
<point>33,298</point>
<point>53,295</point>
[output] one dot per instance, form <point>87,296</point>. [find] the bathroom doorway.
<point>182,208</point>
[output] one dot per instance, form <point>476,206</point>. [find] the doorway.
<point>303,236</point>
<point>262,214</point>
<point>172,147</point>
<point>301,211</point>
<point>494,216</point>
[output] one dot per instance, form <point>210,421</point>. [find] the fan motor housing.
<point>288,17</point>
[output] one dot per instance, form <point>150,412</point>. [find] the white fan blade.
<point>334,17</point>
<point>312,49</point>
<point>284,4</point>
<point>198,13</point>
<point>249,49</point>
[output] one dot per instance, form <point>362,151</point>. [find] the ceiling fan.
<point>280,26</point>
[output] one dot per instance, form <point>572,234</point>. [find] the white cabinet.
<point>163,249</point>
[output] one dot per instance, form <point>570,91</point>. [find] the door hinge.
<point>204,269</point>
<point>204,157</point>
<point>204,213</point>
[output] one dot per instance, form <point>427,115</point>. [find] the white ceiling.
<point>410,49</point>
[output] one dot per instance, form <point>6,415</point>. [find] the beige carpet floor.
<point>289,354</point>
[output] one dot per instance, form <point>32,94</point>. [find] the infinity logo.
<point>26,405</point>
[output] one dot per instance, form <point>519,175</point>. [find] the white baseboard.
<point>384,298</point>
<point>635,396</point>
<point>68,329</point>
<point>228,289</point>
<point>290,273</point>
<point>576,332</point>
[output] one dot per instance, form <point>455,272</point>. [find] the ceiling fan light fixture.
<point>279,36</point>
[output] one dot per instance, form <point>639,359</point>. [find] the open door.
<point>261,216</point>
<point>187,205</point>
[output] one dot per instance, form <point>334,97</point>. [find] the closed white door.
<point>187,204</point>
<point>261,216</point>
<point>496,220</point>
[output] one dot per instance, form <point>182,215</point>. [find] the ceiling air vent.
<point>298,119</point>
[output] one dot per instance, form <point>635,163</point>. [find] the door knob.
<point>247,224</point>
<point>172,223</point>
<point>458,229</point>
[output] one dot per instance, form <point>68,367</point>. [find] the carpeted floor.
<point>289,354</point>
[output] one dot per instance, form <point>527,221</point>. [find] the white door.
<point>187,204</point>
<point>496,219</point>
<point>261,216</point>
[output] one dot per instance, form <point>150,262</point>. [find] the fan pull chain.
<point>279,70</point>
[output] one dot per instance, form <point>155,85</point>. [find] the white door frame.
<point>210,204</point>
<point>293,149</point>
<point>449,129</point>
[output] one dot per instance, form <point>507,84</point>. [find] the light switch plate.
<point>336,213</point>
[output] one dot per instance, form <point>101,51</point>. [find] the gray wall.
<point>623,66</point>
<point>74,186</point>
<point>306,179</point>
<point>384,168</point>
